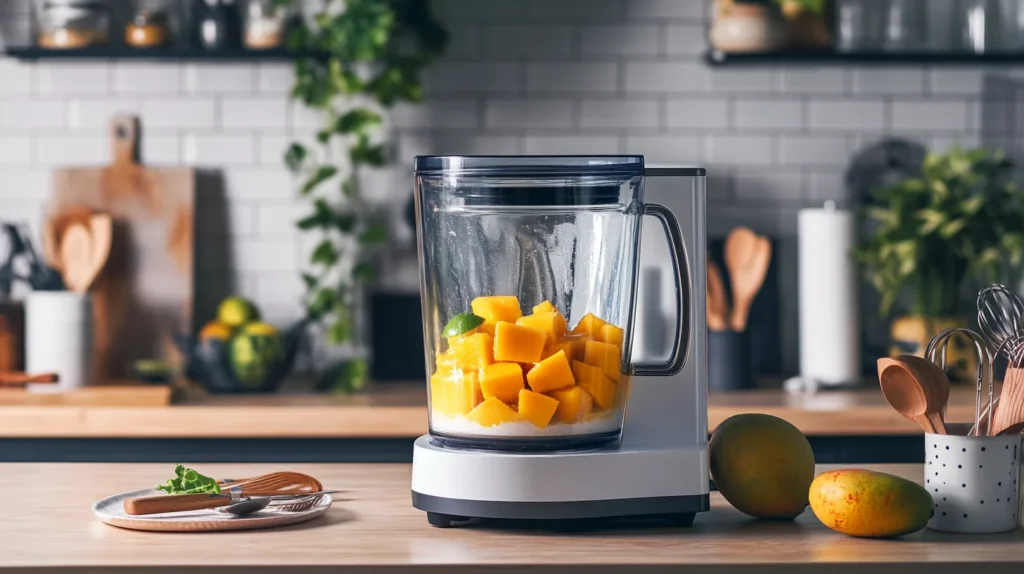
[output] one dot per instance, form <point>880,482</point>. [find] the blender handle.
<point>681,267</point>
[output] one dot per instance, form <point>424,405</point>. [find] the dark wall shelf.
<point>128,53</point>
<point>824,57</point>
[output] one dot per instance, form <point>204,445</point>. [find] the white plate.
<point>110,510</point>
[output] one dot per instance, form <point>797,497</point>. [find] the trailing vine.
<point>357,58</point>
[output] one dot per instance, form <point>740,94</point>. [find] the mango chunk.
<point>445,361</point>
<point>543,307</point>
<point>578,344</point>
<point>492,412</point>
<point>517,344</point>
<point>551,374</point>
<point>455,393</point>
<point>574,404</point>
<point>597,385</point>
<point>551,322</point>
<point>610,334</point>
<point>536,408</point>
<point>589,325</point>
<point>497,308</point>
<point>564,346</point>
<point>502,380</point>
<point>605,356</point>
<point>472,352</point>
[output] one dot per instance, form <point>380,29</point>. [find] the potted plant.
<point>358,58</point>
<point>961,220</point>
<point>807,21</point>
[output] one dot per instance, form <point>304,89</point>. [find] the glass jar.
<point>976,22</point>
<point>528,271</point>
<point>149,26</point>
<point>265,23</point>
<point>68,24</point>
<point>859,25</point>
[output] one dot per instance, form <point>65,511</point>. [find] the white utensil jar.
<point>973,481</point>
<point>58,336</point>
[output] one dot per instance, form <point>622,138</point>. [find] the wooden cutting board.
<point>119,395</point>
<point>145,292</point>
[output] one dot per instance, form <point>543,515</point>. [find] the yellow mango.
<point>455,393</point>
<point>610,334</point>
<point>492,412</point>
<point>497,308</point>
<point>593,381</point>
<point>544,307</point>
<point>536,408</point>
<point>605,356</point>
<point>574,404</point>
<point>516,343</point>
<point>589,325</point>
<point>578,344</point>
<point>564,346</point>
<point>551,322</point>
<point>502,380</point>
<point>551,374</point>
<point>485,327</point>
<point>445,361</point>
<point>472,352</point>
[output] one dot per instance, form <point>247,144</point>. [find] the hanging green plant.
<point>358,58</point>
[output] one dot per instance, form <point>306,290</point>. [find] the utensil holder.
<point>973,481</point>
<point>732,360</point>
<point>58,337</point>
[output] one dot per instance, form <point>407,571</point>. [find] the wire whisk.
<point>1001,321</point>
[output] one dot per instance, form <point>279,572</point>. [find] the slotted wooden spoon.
<point>1008,417</point>
<point>913,388</point>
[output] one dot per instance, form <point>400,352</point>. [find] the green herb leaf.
<point>310,280</point>
<point>324,253</point>
<point>461,323</point>
<point>188,481</point>
<point>374,234</point>
<point>363,271</point>
<point>322,174</point>
<point>294,157</point>
<point>357,120</point>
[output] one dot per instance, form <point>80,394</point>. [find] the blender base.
<point>453,485</point>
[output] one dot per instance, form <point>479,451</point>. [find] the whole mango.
<point>762,465</point>
<point>869,504</point>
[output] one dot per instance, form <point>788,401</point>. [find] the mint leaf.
<point>188,481</point>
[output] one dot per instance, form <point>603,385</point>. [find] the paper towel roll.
<point>829,327</point>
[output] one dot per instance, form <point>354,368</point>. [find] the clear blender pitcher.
<point>528,270</point>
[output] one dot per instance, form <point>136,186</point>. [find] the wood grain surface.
<point>396,410</point>
<point>49,526</point>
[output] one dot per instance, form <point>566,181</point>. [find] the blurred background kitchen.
<point>790,105</point>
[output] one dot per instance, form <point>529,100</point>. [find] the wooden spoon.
<point>913,389</point>
<point>84,250</point>
<point>19,379</point>
<point>717,308</point>
<point>748,261</point>
<point>1008,417</point>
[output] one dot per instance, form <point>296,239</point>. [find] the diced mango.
<point>610,334</point>
<point>551,322</point>
<point>564,346</point>
<point>485,327</point>
<point>551,374</point>
<point>472,352</point>
<point>544,307</point>
<point>578,344</point>
<point>605,356</point>
<point>502,380</point>
<point>516,343</point>
<point>536,408</point>
<point>445,361</point>
<point>598,386</point>
<point>590,325</point>
<point>574,404</point>
<point>455,393</point>
<point>497,308</point>
<point>492,412</point>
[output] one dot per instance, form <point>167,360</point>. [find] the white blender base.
<point>456,484</point>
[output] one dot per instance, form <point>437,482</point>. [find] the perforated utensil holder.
<point>973,481</point>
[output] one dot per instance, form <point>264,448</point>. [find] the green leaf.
<point>348,188</point>
<point>931,219</point>
<point>951,228</point>
<point>188,481</point>
<point>322,217</point>
<point>294,157</point>
<point>325,254</point>
<point>352,376</point>
<point>363,271</point>
<point>462,323</point>
<point>323,301</point>
<point>357,120</point>
<point>374,234</point>
<point>310,281</point>
<point>323,136</point>
<point>973,204</point>
<point>322,174</point>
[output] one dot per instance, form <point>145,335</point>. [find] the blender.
<point>543,404</point>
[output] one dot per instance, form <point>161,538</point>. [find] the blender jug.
<point>528,271</point>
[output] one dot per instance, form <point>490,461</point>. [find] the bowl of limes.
<point>239,353</point>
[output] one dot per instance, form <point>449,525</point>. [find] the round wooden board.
<point>110,511</point>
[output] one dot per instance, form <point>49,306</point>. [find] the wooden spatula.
<point>84,251</point>
<point>717,308</point>
<point>747,256</point>
<point>1009,414</point>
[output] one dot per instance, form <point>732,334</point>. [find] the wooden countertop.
<point>397,411</point>
<point>48,527</point>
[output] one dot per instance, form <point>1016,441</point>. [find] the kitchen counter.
<point>48,527</point>
<point>397,411</point>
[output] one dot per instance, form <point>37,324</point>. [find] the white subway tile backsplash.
<point>741,80</point>
<point>929,115</point>
<point>575,10</point>
<point>826,185</point>
<point>464,41</point>
<point>253,112</point>
<point>554,42</point>
<point>618,40</point>
<point>474,77</point>
<point>816,80</point>
<point>251,184</point>
<point>218,150</point>
<point>278,219</point>
<point>690,9</point>
<point>179,113</point>
<point>577,77</point>
<point>687,150</point>
<point>685,39</point>
<point>695,113</point>
<point>15,77</point>
<point>900,80</point>
<point>160,149</point>
<point>236,78</point>
<point>146,78</point>
<point>72,78</point>
<point>15,151</point>
<point>797,150</point>
<point>72,151</point>
<point>38,114</point>
<point>24,183</point>
<point>619,114</point>
<point>667,77</point>
<point>256,255</point>
<point>769,114</point>
<point>271,147</point>
<point>768,186</point>
<point>958,81</point>
<point>457,143</point>
<point>275,78</point>
<point>569,145</point>
<point>530,113</point>
<point>738,150</point>
<point>458,11</point>
<point>847,114</point>
<point>437,114</point>
<point>93,113</point>
<point>276,290</point>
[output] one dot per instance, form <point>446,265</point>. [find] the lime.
<point>236,311</point>
<point>462,323</point>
